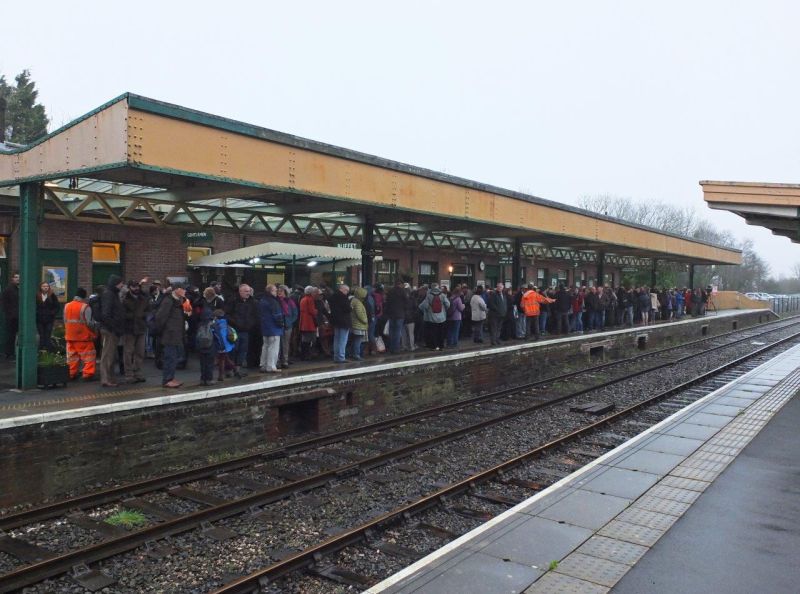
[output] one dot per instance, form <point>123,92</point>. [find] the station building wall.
<point>160,253</point>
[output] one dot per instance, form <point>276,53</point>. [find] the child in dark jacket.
<point>223,344</point>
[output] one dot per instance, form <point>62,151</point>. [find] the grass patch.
<point>553,565</point>
<point>127,518</point>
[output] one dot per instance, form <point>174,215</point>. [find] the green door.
<point>101,272</point>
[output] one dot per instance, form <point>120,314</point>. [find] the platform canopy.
<point>137,161</point>
<point>279,253</point>
<point>774,206</point>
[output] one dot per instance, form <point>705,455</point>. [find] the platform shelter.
<point>144,165</point>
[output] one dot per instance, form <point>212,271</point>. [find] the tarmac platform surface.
<point>705,501</point>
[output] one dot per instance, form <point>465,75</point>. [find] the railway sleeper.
<point>23,550</point>
<point>341,575</point>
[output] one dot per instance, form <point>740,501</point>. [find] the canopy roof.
<point>275,252</point>
<point>136,161</point>
<point>774,206</point>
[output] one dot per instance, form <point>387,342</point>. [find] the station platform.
<point>82,399</point>
<point>705,501</point>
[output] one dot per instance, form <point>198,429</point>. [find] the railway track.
<point>397,534</point>
<point>400,438</point>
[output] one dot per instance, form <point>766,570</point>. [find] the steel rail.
<point>114,494</point>
<point>62,563</point>
<point>252,582</point>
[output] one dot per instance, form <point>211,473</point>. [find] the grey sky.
<point>561,100</point>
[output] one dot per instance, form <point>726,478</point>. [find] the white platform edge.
<point>420,564</point>
<point>178,398</point>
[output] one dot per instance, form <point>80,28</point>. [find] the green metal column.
<point>653,271</point>
<point>28,260</point>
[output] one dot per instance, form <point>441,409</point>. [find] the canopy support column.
<point>516,259</point>
<point>28,260</point>
<point>653,273</point>
<point>292,275</point>
<point>691,276</point>
<point>601,260</point>
<point>367,251</point>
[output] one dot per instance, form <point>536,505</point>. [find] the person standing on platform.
<point>135,304</point>
<point>477,306</point>
<point>79,335</point>
<point>47,307</point>
<point>562,307</point>
<point>497,307</point>
<point>454,314</point>
<point>242,314</point>
<point>11,313</point>
<point>271,314</point>
<point>205,342</point>
<point>434,315</point>
<point>408,341</point>
<point>395,311</point>
<point>530,306</point>
<point>342,321</point>
<point>171,323</point>
<point>290,315</point>
<point>112,327</point>
<point>308,321</point>
<point>360,321</point>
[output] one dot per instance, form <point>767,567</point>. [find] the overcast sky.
<point>558,99</point>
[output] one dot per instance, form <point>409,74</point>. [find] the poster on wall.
<point>57,277</point>
<point>445,283</point>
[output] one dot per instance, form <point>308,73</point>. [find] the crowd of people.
<point>123,324</point>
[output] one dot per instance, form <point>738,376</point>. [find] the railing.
<point>784,305</point>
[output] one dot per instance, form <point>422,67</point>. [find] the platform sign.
<point>195,237</point>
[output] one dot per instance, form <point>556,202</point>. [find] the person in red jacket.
<point>308,320</point>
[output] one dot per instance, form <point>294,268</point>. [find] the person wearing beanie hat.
<point>112,327</point>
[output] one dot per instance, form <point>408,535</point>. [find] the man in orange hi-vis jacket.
<point>530,305</point>
<point>80,336</point>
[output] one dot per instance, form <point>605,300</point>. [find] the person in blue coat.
<point>223,344</point>
<point>271,329</point>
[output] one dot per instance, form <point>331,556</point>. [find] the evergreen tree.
<point>26,119</point>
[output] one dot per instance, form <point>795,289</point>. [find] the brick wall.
<point>52,458</point>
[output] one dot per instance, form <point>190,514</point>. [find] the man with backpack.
<point>434,315</point>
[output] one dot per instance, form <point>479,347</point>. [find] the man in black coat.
<point>11,312</point>
<point>112,327</point>
<point>242,313</point>
<point>136,305</point>
<point>342,321</point>
<point>395,311</point>
<point>497,306</point>
<point>170,320</point>
<point>563,307</point>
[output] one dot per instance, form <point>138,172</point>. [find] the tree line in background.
<point>752,275</point>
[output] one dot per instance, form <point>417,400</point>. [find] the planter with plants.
<point>51,370</point>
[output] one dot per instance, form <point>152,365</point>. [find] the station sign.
<point>194,237</point>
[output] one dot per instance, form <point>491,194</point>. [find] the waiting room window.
<point>194,252</point>
<point>106,253</point>
<point>428,273</point>
<point>541,277</point>
<point>386,271</point>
